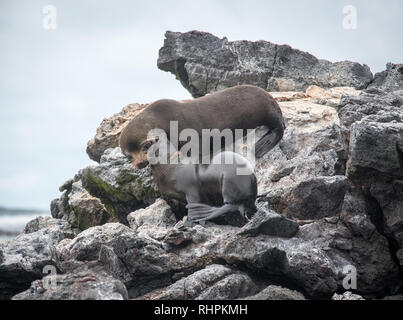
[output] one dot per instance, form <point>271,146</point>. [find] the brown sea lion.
<point>241,107</point>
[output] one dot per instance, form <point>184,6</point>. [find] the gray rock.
<point>270,223</point>
<point>105,193</point>
<point>389,80</point>
<point>215,282</point>
<point>22,259</point>
<point>374,125</point>
<point>75,286</point>
<point>204,64</point>
<point>347,296</point>
<point>107,135</point>
<point>277,293</point>
<point>373,145</point>
<point>80,208</point>
<point>154,221</point>
<point>121,187</point>
<point>317,198</point>
<point>235,285</point>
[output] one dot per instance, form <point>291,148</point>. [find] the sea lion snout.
<point>139,160</point>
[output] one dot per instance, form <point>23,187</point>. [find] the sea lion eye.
<point>147,146</point>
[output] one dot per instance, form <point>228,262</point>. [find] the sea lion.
<point>241,107</point>
<point>210,190</point>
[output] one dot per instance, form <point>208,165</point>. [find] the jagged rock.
<point>204,64</point>
<point>75,286</point>
<point>311,153</point>
<point>347,296</point>
<point>121,187</point>
<point>370,103</point>
<point>277,293</point>
<point>312,261</point>
<point>233,286</point>
<point>215,282</point>
<point>105,193</point>
<point>146,262</point>
<point>317,198</point>
<point>270,223</point>
<point>81,209</point>
<point>22,259</point>
<point>369,248</point>
<point>374,125</point>
<point>389,80</point>
<point>374,145</point>
<point>153,221</point>
<point>107,135</point>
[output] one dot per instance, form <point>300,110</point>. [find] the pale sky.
<point>56,86</point>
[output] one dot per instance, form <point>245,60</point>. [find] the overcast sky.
<point>56,86</point>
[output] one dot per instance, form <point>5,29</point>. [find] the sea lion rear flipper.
<point>200,212</point>
<point>267,142</point>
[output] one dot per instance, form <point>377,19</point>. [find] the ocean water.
<point>13,223</point>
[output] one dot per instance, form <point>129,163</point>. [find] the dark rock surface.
<point>22,259</point>
<point>389,80</point>
<point>204,64</point>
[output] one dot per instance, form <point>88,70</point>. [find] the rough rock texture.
<point>204,64</point>
<point>347,296</point>
<point>303,176</point>
<point>277,293</point>
<point>154,220</point>
<point>215,282</point>
<point>107,135</point>
<point>105,193</point>
<point>22,259</point>
<point>373,125</point>
<point>389,80</point>
<point>78,286</point>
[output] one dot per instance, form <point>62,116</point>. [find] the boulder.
<point>347,296</point>
<point>390,79</point>
<point>23,259</point>
<point>215,282</point>
<point>204,63</point>
<point>277,293</point>
<point>108,132</point>
<point>104,193</point>
<point>75,286</point>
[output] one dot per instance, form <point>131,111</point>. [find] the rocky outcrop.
<point>204,64</point>
<point>23,259</point>
<point>277,293</point>
<point>107,192</point>
<point>303,177</point>
<point>373,123</point>
<point>389,80</point>
<point>107,135</point>
<point>88,285</point>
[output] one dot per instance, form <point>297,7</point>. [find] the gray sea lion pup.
<point>210,190</point>
<point>241,107</point>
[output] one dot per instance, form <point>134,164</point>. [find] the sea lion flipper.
<point>204,212</point>
<point>199,211</point>
<point>267,142</point>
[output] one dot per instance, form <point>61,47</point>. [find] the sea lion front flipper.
<point>200,212</point>
<point>267,142</point>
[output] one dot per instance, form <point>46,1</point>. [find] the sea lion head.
<point>134,145</point>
